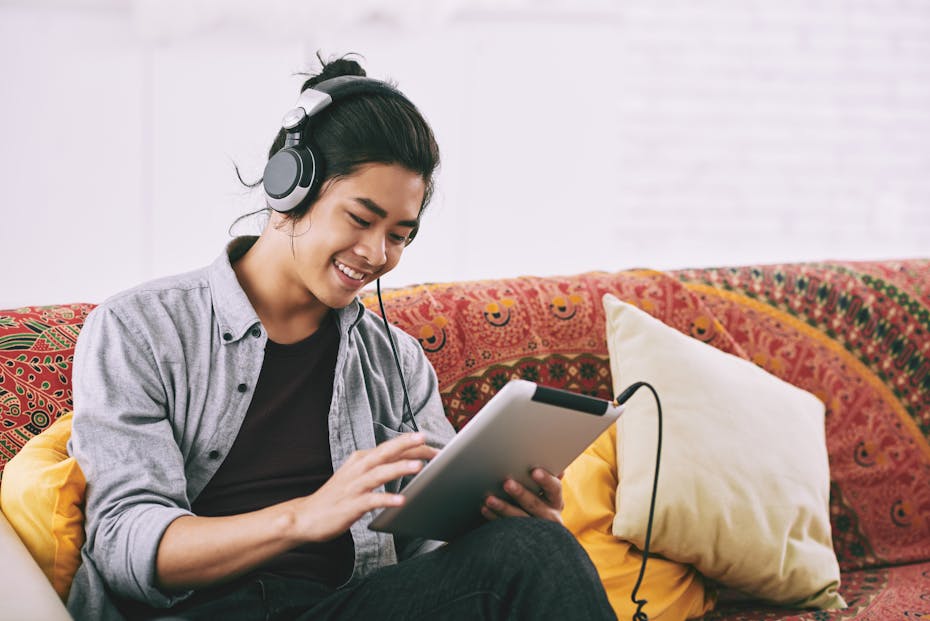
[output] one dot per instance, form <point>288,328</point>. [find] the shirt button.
<point>213,454</point>
<point>242,388</point>
<point>256,332</point>
<point>227,336</point>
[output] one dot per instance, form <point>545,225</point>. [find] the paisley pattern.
<point>855,334</point>
<point>36,352</point>
<point>872,594</point>
<point>860,344</point>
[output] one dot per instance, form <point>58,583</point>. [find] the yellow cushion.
<point>745,482</point>
<point>673,591</point>
<point>42,496</point>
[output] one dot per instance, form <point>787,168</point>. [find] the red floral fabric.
<point>877,594</point>
<point>36,353</point>
<point>853,333</point>
<point>480,334</point>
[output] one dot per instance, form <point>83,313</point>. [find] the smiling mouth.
<point>348,271</point>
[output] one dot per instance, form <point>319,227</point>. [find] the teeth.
<point>348,271</point>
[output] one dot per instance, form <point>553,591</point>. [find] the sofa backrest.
<point>36,353</point>
<point>854,334</point>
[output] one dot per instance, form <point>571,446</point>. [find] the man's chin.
<point>341,300</point>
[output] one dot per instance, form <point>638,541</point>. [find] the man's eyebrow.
<point>373,207</point>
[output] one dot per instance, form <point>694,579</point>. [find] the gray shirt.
<point>163,376</point>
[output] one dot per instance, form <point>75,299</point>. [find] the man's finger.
<point>393,449</point>
<point>375,500</point>
<point>424,451</point>
<point>551,487</point>
<point>381,474</point>
<point>532,503</point>
<point>502,508</point>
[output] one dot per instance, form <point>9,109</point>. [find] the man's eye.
<point>398,239</point>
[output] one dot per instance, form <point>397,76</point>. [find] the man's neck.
<point>286,309</point>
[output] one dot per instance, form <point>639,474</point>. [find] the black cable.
<point>408,412</point>
<point>622,398</point>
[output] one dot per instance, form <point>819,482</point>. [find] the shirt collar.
<point>350,315</point>
<point>234,312</point>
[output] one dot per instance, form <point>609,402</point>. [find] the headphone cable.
<point>622,398</point>
<point>408,412</point>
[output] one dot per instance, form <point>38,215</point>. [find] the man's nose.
<point>372,248</point>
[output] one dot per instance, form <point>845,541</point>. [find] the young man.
<point>237,425</point>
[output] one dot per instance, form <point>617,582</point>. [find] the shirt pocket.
<point>383,433</point>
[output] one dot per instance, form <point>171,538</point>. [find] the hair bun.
<point>333,69</point>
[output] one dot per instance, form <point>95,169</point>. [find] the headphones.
<point>296,171</point>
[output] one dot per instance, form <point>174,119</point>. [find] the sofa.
<point>854,334</point>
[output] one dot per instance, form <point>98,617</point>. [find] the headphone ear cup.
<point>290,176</point>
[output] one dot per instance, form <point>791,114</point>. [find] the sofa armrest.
<point>24,590</point>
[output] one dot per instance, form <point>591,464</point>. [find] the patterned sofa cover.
<point>856,334</point>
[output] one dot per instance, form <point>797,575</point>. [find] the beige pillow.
<point>744,480</point>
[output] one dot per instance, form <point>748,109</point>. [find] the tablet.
<point>522,427</point>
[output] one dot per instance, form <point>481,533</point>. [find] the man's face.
<point>356,231</point>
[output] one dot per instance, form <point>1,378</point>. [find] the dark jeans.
<point>515,568</point>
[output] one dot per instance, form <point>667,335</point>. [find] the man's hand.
<point>546,505</point>
<point>349,493</point>
<point>199,551</point>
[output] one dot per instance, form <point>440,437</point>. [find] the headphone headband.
<point>321,95</point>
<point>292,174</point>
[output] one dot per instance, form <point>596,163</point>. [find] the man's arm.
<point>124,444</point>
<point>198,551</point>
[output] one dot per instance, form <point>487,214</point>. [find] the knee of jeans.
<point>533,541</point>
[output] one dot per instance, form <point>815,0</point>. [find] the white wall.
<point>575,135</point>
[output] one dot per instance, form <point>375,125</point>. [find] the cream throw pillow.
<point>744,480</point>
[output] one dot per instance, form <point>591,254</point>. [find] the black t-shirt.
<point>282,451</point>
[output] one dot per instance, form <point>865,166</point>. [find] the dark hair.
<point>367,128</point>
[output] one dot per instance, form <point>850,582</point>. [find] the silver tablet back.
<point>522,427</point>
